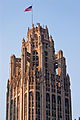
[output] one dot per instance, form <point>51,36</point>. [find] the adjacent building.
<point>39,85</point>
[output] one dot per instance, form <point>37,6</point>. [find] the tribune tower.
<point>39,86</point>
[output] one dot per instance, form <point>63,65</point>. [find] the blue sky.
<point>63,20</point>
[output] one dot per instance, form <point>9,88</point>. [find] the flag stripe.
<point>28,9</point>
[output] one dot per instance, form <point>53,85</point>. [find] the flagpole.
<point>32,14</point>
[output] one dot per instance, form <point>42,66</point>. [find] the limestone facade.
<point>39,86</point>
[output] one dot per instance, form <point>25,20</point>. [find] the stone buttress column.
<point>28,97</point>
<point>9,102</point>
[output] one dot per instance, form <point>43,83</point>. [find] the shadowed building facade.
<point>39,86</point>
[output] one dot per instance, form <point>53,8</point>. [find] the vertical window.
<point>47,82</point>
<point>67,109</point>
<point>46,53</point>
<point>33,44</point>
<point>11,109</point>
<point>46,61</point>
<point>35,59</point>
<point>37,106</point>
<point>14,109</point>
<point>47,106</point>
<point>53,107</point>
<point>11,92</point>
<point>18,108</point>
<point>25,107</point>
<point>52,83</point>
<point>59,108</point>
<point>15,91</point>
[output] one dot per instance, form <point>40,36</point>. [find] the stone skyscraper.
<point>39,86</point>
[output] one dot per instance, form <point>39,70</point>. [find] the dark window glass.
<point>67,108</point>
<point>46,45</point>
<point>11,106</point>
<point>33,52</point>
<point>33,58</point>
<point>47,106</point>
<point>37,105</point>
<point>33,44</point>
<point>53,107</point>
<point>33,63</point>
<point>46,65</point>
<point>37,64</point>
<point>14,109</point>
<point>36,53</point>
<point>46,53</point>
<point>46,59</point>
<point>59,108</point>
<point>25,107</point>
<point>36,57</point>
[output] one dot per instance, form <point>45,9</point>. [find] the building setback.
<point>39,86</point>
